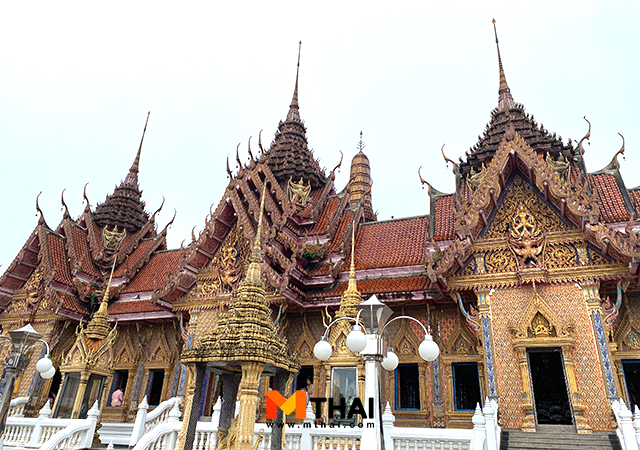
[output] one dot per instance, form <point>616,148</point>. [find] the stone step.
<point>559,440</point>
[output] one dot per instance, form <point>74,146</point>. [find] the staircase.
<point>558,437</point>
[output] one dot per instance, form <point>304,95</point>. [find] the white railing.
<point>147,421</point>
<point>485,434</point>
<point>163,436</point>
<point>46,433</point>
<point>628,430</point>
<point>16,407</point>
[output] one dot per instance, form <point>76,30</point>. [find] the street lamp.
<point>372,313</point>
<point>22,340</point>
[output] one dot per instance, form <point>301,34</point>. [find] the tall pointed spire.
<point>132,176</point>
<point>505,100</point>
<point>294,112</point>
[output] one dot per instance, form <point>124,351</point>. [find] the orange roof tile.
<point>610,201</point>
<point>392,243</point>
<point>154,273</point>
<point>634,194</point>
<point>315,195</point>
<point>71,303</point>
<point>327,214</point>
<point>59,261</point>
<point>444,209</point>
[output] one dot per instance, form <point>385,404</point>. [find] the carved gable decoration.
<point>224,272</point>
<point>520,203</point>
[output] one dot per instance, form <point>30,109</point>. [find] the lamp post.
<point>22,340</point>
<point>370,344</point>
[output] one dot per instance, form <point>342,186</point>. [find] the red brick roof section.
<point>444,209</point>
<point>392,244</point>
<point>314,195</point>
<point>139,306</point>
<point>610,201</point>
<point>59,261</point>
<point>71,303</point>
<point>155,272</point>
<point>133,258</point>
<point>327,214</point>
<point>635,198</point>
<point>342,229</point>
<point>380,286</point>
<point>84,254</point>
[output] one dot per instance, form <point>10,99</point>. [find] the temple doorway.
<point>631,369</point>
<point>550,395</point>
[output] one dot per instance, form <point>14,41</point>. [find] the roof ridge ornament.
<point>505,100</point>
<point>294,113</point>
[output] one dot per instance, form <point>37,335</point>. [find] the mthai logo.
<point>297,402</point>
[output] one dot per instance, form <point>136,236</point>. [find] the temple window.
<point>407,387</point>
<point>67,398</point>
<point>466,386</point>
<point>344,388</point>
<point>154,386</point>
<point>304,379</point>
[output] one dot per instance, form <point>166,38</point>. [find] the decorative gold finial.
<point>619,152</point>
<point>249,149</point>
<point>132,176</point>
<point>351,296</point>
<point>98,326</point>
<point>87,207</point>
<point>586,136</point>
<point>293,109</point>
<point>505,100</point>
<point>253,272</point>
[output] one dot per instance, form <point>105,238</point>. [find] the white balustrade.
<point>625,431</point>
<point>16,406</point>
<point>147,421</point>
<point>485,434</point>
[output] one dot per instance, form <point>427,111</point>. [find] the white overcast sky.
<point>77,79</point>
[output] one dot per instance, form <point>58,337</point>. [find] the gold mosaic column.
<point>248,397</point>
<point>82,387</point>
<point>188,407</point>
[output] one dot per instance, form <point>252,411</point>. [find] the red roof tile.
<point>71,303</point>
<point>140,306</point>
<point>379,286</point>
<point>391,244</point>
<point>327,214</point>
<point>610,201</point>
<point>133,258</point>
<point>314,195</point>
<point>81,243</point>
<point>59,259</point>
<point>444,209</point>
<point>342,229</point>
<point>635,198</point>
<point>154,273</point>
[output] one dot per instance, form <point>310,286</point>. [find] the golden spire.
<point>351,296</point>
<point>505,100</point>
<point>98,326</point>
<point>253,272</point>
<point>294,109</point>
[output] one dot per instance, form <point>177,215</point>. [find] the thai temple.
<point>526,277</point>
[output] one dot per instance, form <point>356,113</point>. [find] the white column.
<point>138,426</point>
<point>372,437</point>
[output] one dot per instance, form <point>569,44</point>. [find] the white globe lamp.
<point>322,350</point>
<point>356,340</point>
<point>428,349</point>
<point>49,373</point>
<point>44,365</point>
<point>390,362</point>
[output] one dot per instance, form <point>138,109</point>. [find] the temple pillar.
<point>193,403</point>
<point>248,397</point>
<point>484,313</point>
<point>82,387</point>
<point>229,394</point>
<point>590,289</point>
<point>281,382</point>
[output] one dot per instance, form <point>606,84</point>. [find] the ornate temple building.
<point>526,275</point>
